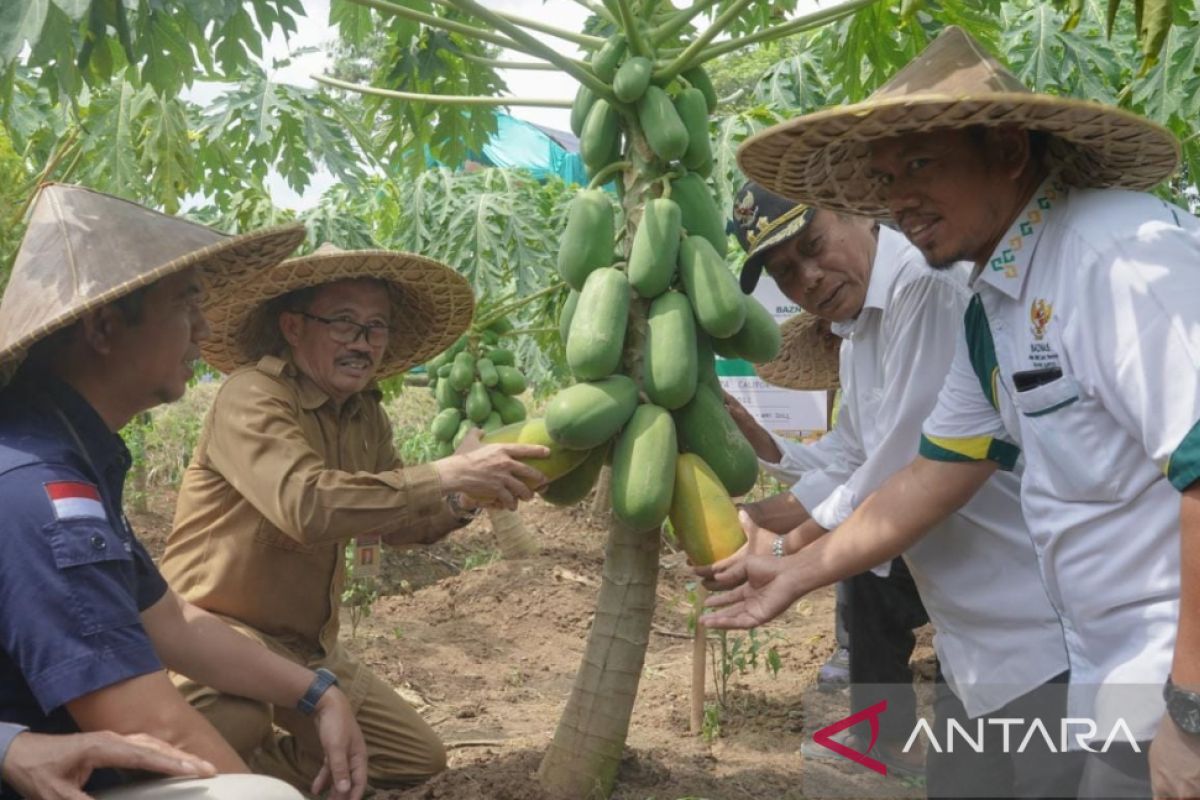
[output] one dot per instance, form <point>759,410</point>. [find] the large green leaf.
<point>20,22</point>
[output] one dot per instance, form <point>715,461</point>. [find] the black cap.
<point>762,220</point>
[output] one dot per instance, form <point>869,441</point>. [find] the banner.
<point>778,410</point>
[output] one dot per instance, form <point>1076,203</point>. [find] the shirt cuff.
<point>787,469</point>
<point>8,732</point>
<point>971,448</point>
<point>834,509</point>
<point>1183,468</point>
<point>425,496</point>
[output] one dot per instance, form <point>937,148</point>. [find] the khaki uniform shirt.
<point>280,480</point>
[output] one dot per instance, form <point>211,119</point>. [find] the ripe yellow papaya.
<point>533,431</point>
<point>703,515</point>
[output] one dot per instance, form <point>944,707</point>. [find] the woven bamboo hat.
<point>84,249</point>
<point>808,356</point>
<point>431,306</point>
<point>821,158</point>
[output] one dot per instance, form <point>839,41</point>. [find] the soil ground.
<point>487,649</point>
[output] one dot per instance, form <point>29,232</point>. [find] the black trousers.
<point>1037,772</point>
<point>882,613</point>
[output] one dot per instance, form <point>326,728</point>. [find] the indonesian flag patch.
<point>75,500</point>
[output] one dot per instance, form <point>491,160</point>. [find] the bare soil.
<point>487,650</point>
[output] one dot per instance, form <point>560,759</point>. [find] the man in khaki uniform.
<point>295,458</point>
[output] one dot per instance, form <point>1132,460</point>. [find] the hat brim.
<point>223,267</point>
<point>431,305</point>
<point>808,356</point>
<point>822,158</point>
<point>755,261</point>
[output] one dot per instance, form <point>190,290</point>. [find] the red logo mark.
<point>824,737</point>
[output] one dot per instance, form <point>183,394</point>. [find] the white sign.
<point>777,410</point>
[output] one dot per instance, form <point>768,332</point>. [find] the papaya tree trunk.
<point>583,758</point>
<point>582,761</point>
<point>602,501</point>
<point>513,537</point>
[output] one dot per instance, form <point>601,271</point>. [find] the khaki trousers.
<point>222,787</point>
<point>402,749</point>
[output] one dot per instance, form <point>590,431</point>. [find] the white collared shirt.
<point>1095,293</point>
<point>996,640</point>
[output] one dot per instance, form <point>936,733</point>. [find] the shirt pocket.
<point>97,564</point>
<point>1076,462</point>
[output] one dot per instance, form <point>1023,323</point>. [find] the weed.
<point>740,654</point>
<point>710,728</point>
<point>479,559</point>
<point>358,594</point>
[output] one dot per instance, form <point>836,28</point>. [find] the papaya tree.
<point>647,260</point>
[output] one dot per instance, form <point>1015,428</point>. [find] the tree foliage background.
<point>93,91</point>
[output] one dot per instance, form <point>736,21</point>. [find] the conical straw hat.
<point>431,306</point>
<point>808,356</point>
<point>84,249</point>
<point>821,158</point>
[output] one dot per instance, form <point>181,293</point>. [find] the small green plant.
<point>740,654</point>
<point>358,594</point>
<point>479,559</point>
<point>710,728</point>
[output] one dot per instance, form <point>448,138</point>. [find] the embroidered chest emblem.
<point>1039,314</point>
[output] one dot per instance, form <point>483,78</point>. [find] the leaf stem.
<point>602,176</point>
<point>398,10</point>
<point>797,25</point>
<point>530,45</point>
<point>631,30</point>
<point>504,311</point>
<point>496,63</point>
<point>684,59</point>
<point>581,39</point>
<point>599,11</point>
<point>443,99</point>
<point>678,22</point>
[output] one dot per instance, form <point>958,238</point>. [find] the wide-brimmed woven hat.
<point>821,158</point>
<point>431,306</point>
<point>83,249</point>
<point>808,355</point>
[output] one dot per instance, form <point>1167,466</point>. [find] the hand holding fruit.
<point>493,474</point>
<point>764,446</point>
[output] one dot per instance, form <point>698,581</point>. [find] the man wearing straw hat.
<point>1080,351</point>
<point>296,457</point>
<point>896,320</point>
<point>101,320</point>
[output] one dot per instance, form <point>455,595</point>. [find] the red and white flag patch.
<point>75,500</point>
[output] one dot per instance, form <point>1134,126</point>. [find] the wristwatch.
<point>1184,707</point>
<point>463,515</point>
<point>321,683</point>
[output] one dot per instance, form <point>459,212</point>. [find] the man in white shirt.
<point>898,318</point>
<point>1080,350</point>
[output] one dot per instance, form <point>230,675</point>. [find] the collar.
<point>105,449</point>
<point>1008,267</point>
<point>312,396</point>
<point>884,271</point>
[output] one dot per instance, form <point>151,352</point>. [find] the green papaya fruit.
<point>643,461</point>
<point>693,112</point>
<point>598,327</point>
<point>655,248</point>
<point>600,143</point>
<point>699,211</point>
<point>716,297</point>
<point>661,125</point>
<point>669,367</point>
<point>588,414</point>
<point>587,241</point>
<point>632,79</point>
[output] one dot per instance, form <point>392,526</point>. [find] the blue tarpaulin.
<point>542,151</point>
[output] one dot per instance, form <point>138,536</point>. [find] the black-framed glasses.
<point>347,331</point>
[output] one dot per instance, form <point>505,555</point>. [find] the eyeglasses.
<point>347,331</point>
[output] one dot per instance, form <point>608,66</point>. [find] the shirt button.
<point>98,542</point>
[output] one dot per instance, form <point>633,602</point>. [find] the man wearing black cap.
<point>897,317</point>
